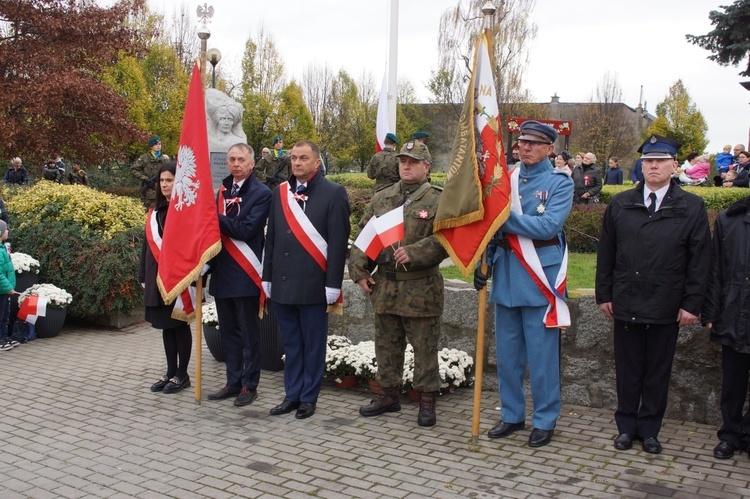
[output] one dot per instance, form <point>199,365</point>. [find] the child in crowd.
<point>724,159</point>
<point>729,176</point>
<point>7,285</point>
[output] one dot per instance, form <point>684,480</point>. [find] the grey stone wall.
<point>588,371</point>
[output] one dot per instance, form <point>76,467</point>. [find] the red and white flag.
<point>368,240</point>
<point>32,308</point>
<point>191,236</point>
<point>382,124</point>
<point>390,226</point>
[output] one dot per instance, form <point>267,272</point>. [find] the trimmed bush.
<point>583,226</point>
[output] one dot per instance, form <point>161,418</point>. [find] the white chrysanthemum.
<point>24,263</point>
<point>58,297</point>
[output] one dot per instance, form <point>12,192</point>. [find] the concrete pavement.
<point>78,420</point>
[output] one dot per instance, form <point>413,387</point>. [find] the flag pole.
<point>488,9</point>
<point>198,338</point>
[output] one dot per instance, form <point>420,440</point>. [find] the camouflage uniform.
<point>383,167</point>
<point>78,177</point>
<point>145,169</point>
<point>270,165</point>
<point>406,308</point>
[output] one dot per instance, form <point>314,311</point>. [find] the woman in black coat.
<point>178,339</point>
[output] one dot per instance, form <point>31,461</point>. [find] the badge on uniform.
<point>423,214</point>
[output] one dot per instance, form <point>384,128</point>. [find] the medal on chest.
<point>423,214</point>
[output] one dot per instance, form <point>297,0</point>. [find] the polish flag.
<point>368,240</point>
<point>390,227</point>
<point>32,308</point>
<point>382,123</point>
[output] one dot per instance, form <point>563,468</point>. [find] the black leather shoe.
<point>540,438</point>
<point>724,450</point>
<point>651,445</point>
<point>624,441</point>
<point>176,384</point>
<point>245,397</point>
<point>225,393</point>
<point>504,429</point>
<point>285,407</point>
<point>305,410</point>
<point>159,385</point>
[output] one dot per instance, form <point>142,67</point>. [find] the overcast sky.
<point>641,41</point>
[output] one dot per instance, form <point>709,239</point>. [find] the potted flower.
<point>27,270</point>
<point>407,381</point>
<point>335,342</point>
<point>340,366</point>
<point>50,324</point>
<point>210,321</point>
<point>456,369</point>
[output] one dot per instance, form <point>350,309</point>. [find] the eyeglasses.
<point>532,143</point>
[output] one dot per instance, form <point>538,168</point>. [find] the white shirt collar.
<point>659,195</point>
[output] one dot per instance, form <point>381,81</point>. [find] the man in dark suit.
<point>651,276</point>
<point>308,231</point>
<point>243,203</point>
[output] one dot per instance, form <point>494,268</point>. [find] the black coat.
<point>728,298</point>
<point>149,267</point>
<point>228,280</point>
<point>651,267</point>
<point>295,277</point>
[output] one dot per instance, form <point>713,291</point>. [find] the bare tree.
<point>317,82</point>
<point>184,36</point>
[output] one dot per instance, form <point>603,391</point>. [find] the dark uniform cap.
<point>277,139</point>
<point>659,147</point>
<point>153,140</point>
<point>533,130</point>
<point>420,135</point>
<point>416,150</point>
<point>391,137</point>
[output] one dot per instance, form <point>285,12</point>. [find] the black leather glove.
<point>480,280</point>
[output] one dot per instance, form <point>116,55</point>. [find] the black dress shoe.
<point>651,445</point>
<point>285,407</point>
<point>540,438</point>
<point>624,441</point>
<point>504,429</point>
<point>245,397</point>
<point>724,450</point>
<point>225,393</point>
<point>159,385</point>
<point>305,410</point>
<point>176,384</point>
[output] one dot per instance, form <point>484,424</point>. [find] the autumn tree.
<point>459,28</point>
<point>729,41</point>
<point>53,54</point>
<point>410,116</point>
<point>678,118</point>
<point>291,118</point>
<point>316,86</point>
<point>605,126</point>
<point>183,36</point>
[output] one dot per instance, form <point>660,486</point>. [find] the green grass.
<point>581,271</point>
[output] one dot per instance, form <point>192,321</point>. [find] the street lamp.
<point>205,13</point>
<point>214,56</point>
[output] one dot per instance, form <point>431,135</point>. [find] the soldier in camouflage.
<point>383,167</point>
<point>406,289</point>
<point>146,169</point>
<point>273,168</point>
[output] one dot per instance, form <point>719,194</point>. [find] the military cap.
<point>277,139</point>
<point>533,130</point>
<point>416,150</point>
<point>391,137</point>
<point>153,140</point>
<point>659,147</point>
<point>420,135</point>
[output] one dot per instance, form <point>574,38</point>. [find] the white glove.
<point>143,285</point>
<point>266,288</point>
<point>205,269</point>
<point>332,294</point>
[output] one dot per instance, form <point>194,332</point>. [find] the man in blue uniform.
<point>651,275</point>
<point>529,310</point>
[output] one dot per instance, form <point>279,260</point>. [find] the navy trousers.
<point>304,330</point>
<point>240,337</point>
<point>734,390</point>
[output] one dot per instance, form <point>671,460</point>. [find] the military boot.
<point>388,400</point>
<point>426,415</point>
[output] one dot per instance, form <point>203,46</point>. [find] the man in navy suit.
<point>243,203</point>
<point>308,232</point>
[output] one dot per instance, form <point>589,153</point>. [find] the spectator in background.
<point>51,172</point>
<point>579,158</point>
<point>17,173</point>
<point>587,180</point>
<point>742,170</point>
<point>690,160</point>
<point>561,163</point>
<point>77,175</point>
<point>7,285</point>
<point>695,174</point>
<point>737,150</point>
<point>724,159</point>
<point>614,172</point>
<point>60,166</point>
<point>636,174</point>
<point>516,158</point>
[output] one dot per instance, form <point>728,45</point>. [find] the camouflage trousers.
<point>423,333</point>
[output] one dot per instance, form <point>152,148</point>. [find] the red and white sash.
<point>240,251</point>
<point>305,232</point>
<point>557,314</point>
<point>184,305</point>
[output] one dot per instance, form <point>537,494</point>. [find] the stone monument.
<point>224,120</point>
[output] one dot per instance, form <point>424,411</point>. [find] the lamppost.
<point>214,56</point>
<point>205,13</point>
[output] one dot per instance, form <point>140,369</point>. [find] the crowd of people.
<point>53,170</point>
